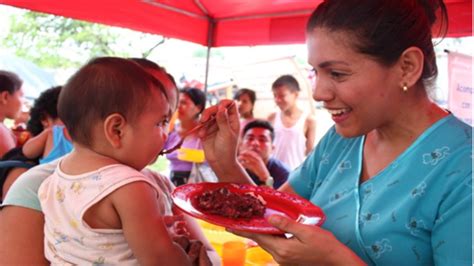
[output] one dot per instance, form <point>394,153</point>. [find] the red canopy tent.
<point>215,22</point>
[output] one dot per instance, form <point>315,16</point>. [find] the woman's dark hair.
<point>104,86</point>
<point>384,29</point>
<point>9,81</point>
<point>259,123</point>
<point>286,80</point>
<point>197,96</point>
<point>46,105</point>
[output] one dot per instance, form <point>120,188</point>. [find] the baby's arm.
<point>36,147</point>
<point>197,233</point>
<point>143,226</point>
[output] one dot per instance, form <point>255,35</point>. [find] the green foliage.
<point>161,165</point>
<point>56,42</point>
<point>52,41</point>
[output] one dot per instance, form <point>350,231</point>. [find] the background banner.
<point>460,86</point>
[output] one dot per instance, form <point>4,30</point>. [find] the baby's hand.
<point>176,225</point>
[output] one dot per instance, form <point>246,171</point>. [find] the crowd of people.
<point>393,176</point>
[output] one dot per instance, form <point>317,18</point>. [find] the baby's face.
<point>148,132</point>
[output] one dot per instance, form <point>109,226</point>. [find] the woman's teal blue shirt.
<point>416,211</point>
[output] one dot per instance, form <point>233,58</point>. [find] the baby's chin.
<point>154,160</point>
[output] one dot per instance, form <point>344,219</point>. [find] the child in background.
<point>98,207</point>
<point>53,142</point>
<point>245,99</point>
<point>294,129</point>
<point>44,112</point>
<point>43,115</point>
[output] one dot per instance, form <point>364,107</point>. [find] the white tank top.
<point>65,199</point>
<point>290,142</point>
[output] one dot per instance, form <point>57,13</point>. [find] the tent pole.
<point>210,40</point>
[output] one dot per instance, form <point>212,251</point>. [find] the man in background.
<point>255,155</point>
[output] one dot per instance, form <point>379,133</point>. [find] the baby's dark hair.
<point>259,123</point>
<point>286,80</point>
<point>46,105</point>
<point>9,81</point>
<point>104,86</point>
<point>146,63</point>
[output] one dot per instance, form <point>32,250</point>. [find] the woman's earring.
<point>405,88</point>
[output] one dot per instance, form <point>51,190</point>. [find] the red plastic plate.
<point>292,206</point>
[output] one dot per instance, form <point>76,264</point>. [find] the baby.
<point>99,208</point>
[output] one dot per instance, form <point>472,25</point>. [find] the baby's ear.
<point>114,126</point>
<point>4,97</point>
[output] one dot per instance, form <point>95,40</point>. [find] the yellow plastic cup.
<point>217,235</point>
<point>191,155</point>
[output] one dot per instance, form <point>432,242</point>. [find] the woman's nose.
<point>322,91</point>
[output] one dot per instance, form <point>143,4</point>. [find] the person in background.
<point>44,112</point>
<point>255,155</point>
<point>295,130</point>
<point>19,124</point>
<point>43,115</point>
<point>245,99</point>
<point>52,143</point>
<point>11,96</point>
<point>190,106</point>
<point>394,174</point>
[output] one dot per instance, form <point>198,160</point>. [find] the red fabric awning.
<point>235,22</point>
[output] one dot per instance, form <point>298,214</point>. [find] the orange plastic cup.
<point>233,253</point>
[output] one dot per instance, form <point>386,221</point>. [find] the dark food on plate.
<point>223,202</point>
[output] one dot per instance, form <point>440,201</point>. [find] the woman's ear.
<point>411,62</point>
<point>114,128</point>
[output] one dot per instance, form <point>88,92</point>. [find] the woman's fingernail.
<point>274,219</point>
